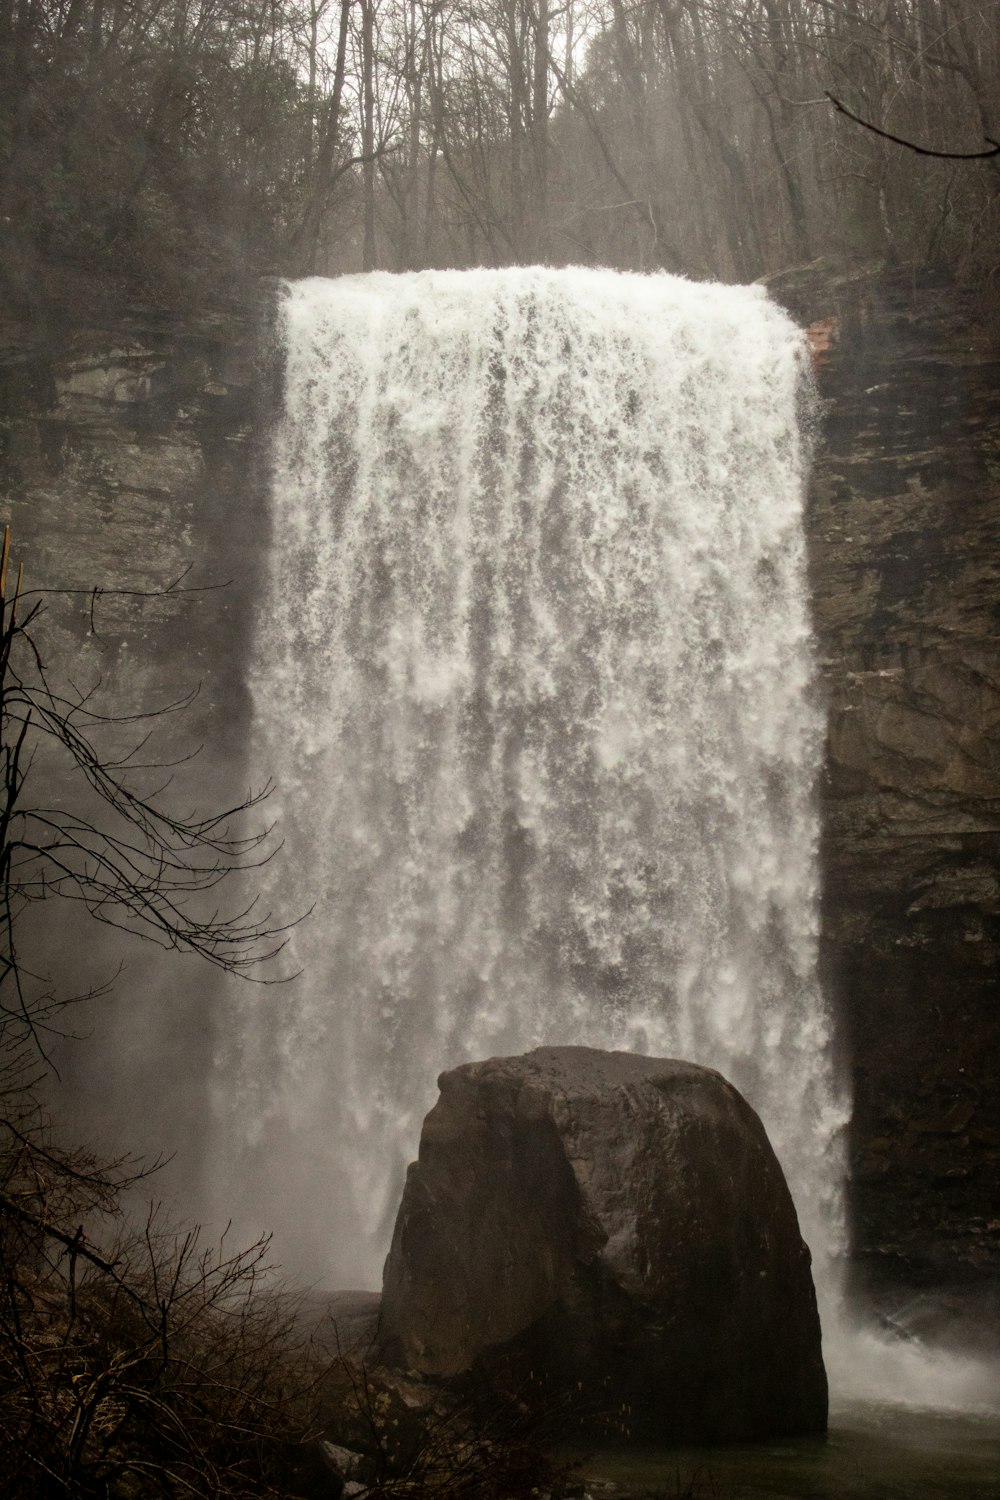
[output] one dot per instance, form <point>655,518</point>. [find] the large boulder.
<point>615,1233</point>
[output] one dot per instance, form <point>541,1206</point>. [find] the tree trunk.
<point>368,130</point>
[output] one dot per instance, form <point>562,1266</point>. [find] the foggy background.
<point>173,149</point>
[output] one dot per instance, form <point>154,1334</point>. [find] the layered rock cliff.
<point>904,533</point>
<point>128,461</point>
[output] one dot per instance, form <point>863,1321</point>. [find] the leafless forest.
<point>175,144</point>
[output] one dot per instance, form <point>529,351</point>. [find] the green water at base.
<point>871,1452</point>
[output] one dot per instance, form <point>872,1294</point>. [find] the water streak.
<point>535,675</point>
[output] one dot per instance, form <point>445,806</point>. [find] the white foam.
<point>534,673</point>
<point>881,1369</point>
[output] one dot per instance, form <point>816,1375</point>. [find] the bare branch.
<point>127,858</point>
<point>912,145</point>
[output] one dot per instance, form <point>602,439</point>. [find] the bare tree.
<point>132,1361</point>
<point>992,146</point>
<point>100,841</point>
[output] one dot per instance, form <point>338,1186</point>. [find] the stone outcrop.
<point>612,1226</point>
<point>904,535</point>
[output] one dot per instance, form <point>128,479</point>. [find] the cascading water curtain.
<point>534,676</point>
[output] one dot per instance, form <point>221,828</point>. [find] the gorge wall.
<point>128,456</point>
<point>132,448</point>
<point>129,453</point>
<point>904,531</point>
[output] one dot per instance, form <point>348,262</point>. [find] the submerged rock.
<point>612,1232</point>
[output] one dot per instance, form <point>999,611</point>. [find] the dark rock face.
<point>904,534</point>
<point>128,461</point>
<point>129,451</point>
<point>612,1225</point>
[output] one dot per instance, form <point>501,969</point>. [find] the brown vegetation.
<point>132,1362</point>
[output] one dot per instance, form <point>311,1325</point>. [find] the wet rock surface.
<point>904,533</point>
<point>612,1228</point>
<point>129,462</point>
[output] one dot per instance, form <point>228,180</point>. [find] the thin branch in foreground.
<point>130,860</point>
<point>899,140</point>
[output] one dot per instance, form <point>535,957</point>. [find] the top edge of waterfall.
<point>649,310</point>
<point>540,278</point>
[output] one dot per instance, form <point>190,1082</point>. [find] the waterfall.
<point>534,675</point>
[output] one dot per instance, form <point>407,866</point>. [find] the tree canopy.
<point>180,147</point>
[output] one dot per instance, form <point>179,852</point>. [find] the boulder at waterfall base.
<point>612,1233</point>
